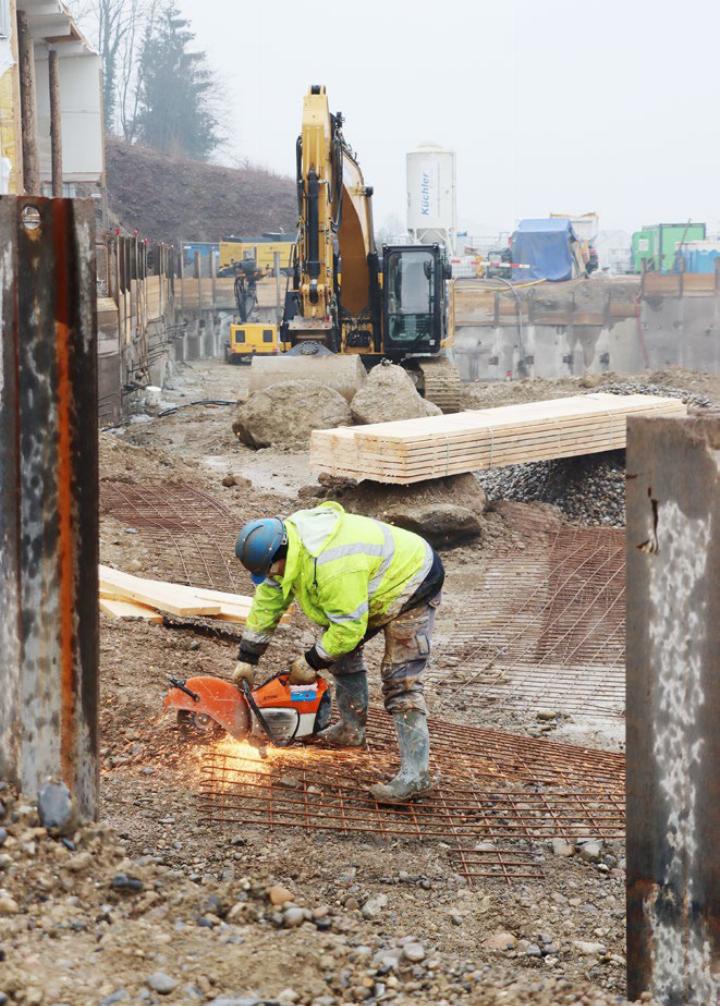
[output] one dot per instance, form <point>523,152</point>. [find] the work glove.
<point>243,672</point>
<point>301,673</point>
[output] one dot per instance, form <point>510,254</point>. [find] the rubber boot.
<point>351,695</point>
<point>413,779</point>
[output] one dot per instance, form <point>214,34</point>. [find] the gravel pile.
<point>638,388</point>
<point>588,490</point>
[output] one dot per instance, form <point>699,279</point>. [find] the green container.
<point>658,245</point>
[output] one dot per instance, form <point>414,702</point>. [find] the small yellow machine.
<point>251,339</point>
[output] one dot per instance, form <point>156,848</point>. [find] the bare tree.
<point>142,22</point>
<point>116,28</point>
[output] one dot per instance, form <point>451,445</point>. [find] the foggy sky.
<point>550,105</point>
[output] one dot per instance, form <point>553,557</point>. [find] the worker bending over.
<point>355,576</point>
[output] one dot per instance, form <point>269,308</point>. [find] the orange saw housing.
<point>290,712</point>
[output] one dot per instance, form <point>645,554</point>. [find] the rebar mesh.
<point>547,626</point>
<point>498,795</point>
<point>191,534</point>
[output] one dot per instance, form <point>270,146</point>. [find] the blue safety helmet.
<point>257,545</point>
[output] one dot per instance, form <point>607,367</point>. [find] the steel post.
<point>28,101</point>
<point>276,273</point>
<point>56,150</point>
<point>673,706</point>
<point>197,265</point>
<point>49,496</point>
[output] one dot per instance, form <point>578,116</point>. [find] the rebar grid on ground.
<point>497,795</point>
<point>547,626</point>
<point>192,532</point>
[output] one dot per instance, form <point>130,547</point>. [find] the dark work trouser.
<point>408,644</point>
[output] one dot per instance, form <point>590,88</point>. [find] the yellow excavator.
<point>347,298</point>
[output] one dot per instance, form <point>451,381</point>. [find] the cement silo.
<point>431,195</point>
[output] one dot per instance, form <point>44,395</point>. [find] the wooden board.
<point>127,596</point>
<point>494,454</point>
<point>171,597</point>
<point>233,607</point>
<point>129,610</point>
<point>413,450</point>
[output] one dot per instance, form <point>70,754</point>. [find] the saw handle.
<point>180,684</point>
<point>250,699</point>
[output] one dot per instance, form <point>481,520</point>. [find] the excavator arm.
<point>336,262</point>
<point>319,204</point>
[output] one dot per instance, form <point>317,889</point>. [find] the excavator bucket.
<point>345,374</point>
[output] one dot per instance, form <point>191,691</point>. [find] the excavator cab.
<point>414,299</point>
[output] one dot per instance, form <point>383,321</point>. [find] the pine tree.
<point>174,108</point>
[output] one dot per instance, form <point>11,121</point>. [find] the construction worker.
<point>356,577</point>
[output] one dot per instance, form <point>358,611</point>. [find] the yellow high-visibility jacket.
<point>346,572</point>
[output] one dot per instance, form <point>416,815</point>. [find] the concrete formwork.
<point>673,701</point>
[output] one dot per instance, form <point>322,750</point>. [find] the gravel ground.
<point>167,910</point>
<point>488,394</point>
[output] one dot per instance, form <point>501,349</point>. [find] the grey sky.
<point>550,105</point>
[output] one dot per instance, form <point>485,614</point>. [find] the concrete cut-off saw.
<point>275,712</point>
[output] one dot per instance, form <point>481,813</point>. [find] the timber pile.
<point>125,596</point>
<point>416,449</point>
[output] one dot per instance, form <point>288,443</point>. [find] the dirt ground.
<point>181,196</point>
<point>379,920</point>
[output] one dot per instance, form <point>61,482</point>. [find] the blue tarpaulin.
<point>699,259</point>
<point>544,245</point>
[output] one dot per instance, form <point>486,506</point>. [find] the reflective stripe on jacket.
<point>345,571</point>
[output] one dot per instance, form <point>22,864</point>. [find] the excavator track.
<point>441,383</point>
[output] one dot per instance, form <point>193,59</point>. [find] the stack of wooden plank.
<point>416,449</point>
<point>125,596</point>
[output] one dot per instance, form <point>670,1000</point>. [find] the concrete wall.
<point>682,332</point>
<point>203,335</point>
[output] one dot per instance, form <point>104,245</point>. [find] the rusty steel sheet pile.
<point>498,799</point>
<point>48,496</point>
<point>673,741</point>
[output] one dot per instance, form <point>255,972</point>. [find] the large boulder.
<point>446,511</point>
<point>285,414</point>
<point>442,524</point>
<point>389,394</point>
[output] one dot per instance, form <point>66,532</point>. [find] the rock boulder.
<point>390,394</point>
<point>285,414</point>
<point>442,524</point>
